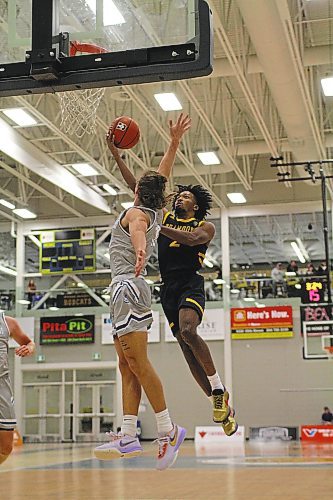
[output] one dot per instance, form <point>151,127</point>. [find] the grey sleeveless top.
<point>122,253</point>
<point>4,334</point>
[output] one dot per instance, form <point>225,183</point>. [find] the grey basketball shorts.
<point>7,412</point>
<point>130,306</point>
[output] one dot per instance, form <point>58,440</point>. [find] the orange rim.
<point>89,48</point>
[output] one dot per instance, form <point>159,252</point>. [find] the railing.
<point>253,287</point>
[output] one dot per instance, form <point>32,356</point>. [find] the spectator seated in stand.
<point>327,417</point>
<point>278,282</point>
<point>31,292</point>
<point>322,269</point>
<point>292,267</point>
<point>310,270</point>
<point>292,280</point>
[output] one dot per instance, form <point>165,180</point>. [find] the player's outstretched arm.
<point>27,346</point>
<point>177,131</point>
<point>124,170</point>
<point>200,236</point>
<point>137,226</point>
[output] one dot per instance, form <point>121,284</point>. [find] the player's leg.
<point>195,367</point>
<point>6,444</point>
<point>188,323</point>
<point>126,444</point>
<point>169,300</point>
<point>134,348</point>
<point>171,436</point>
<point>189,319</point>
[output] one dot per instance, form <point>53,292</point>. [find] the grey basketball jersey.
<point>122,253</point>
<point>4,341</point>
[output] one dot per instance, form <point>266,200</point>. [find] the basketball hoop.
<point>329,351</point>
<point>79,107</point>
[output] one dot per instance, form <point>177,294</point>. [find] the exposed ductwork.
<point>282,74</point>
<point>313,56</point>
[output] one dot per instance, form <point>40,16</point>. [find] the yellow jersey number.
<point>174,244</point>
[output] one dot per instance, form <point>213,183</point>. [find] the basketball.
<point>126,132</point>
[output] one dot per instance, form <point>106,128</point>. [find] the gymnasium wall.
<point>272,383</point>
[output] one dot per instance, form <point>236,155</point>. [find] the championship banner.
<point>317,433</point>
<point>67,330</point>
<point>211,327</point>
<point>262,323</point>
<point>315,313</point>
<point>107,329</point>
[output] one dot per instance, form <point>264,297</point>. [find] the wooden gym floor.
<point>255,471</point>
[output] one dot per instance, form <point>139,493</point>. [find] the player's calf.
<point>6,445</point>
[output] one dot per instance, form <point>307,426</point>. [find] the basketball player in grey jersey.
<point>132,239</point>
<point>9,327</point>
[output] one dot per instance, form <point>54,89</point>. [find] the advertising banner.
<point>211,327</point>
<point>215,435</point>
<point>153,335</point>
<point>262,322</point>
<point>317,433</point>
<point>67,330</point>
<point>76,300</point>
<point>315,313</point>
<point>273,433</point>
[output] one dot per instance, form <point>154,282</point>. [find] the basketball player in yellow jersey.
<point>182,245</point>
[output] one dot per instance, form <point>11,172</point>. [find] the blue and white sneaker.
<point>119,446</point>
<point>168,447</point>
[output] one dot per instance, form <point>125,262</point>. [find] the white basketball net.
<point>78,110</point>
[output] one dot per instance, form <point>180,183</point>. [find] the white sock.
<point>215,382</point>
<point>164,424</point>
<point>128,426</point>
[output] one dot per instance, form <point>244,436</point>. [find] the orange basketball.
<point>126,132</point>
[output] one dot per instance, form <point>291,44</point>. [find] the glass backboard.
<point>146,34</point>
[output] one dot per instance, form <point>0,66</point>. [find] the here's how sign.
<point>262,322</point>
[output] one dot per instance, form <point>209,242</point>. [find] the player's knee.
<point>136,366</point>
<point>187,333</point>
<point>124,366</point>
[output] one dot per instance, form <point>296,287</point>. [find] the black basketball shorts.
<point>176,294</point>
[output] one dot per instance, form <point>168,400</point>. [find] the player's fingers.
<point>180,118</point>
<point>186,120</point>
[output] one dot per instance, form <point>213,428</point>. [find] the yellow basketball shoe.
<point>230,425</point>
<point>221,408</point>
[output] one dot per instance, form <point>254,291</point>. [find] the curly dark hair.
<point>202,197</point>
<point>151,190</point>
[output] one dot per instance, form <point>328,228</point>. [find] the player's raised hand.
<point>178,129</point>
<point>140,262</point>
<point>110,142</point>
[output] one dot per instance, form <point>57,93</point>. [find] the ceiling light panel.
<point>209,158</point>
<point>168,101</point>
<point>236,197</point>
<point>85,169</point>
<point>127,204</point>
<point>7,204</point>
<point>24,213</point>
<point>20,117</point>
<point>110,189</point>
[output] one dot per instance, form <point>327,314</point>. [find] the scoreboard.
<point>67,251</point>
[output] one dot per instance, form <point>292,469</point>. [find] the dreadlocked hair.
<point>202,197</point>
<point>151,190</point>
